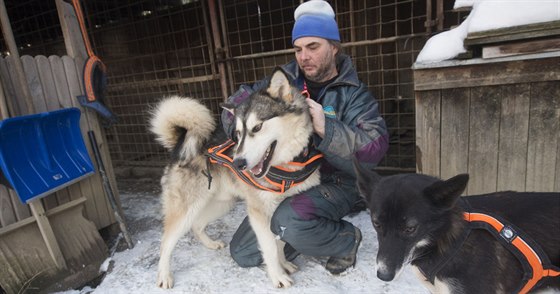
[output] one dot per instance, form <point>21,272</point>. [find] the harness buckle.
<point>508,233</point>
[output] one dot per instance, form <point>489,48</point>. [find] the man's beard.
<point>321,74</point>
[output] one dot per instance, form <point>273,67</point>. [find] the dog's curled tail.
<point>182,125</point>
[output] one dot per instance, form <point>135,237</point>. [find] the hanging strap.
<point>93,64</point>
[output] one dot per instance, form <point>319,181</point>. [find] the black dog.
<point>420,220</point>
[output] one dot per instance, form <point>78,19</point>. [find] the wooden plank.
<point>7,214</point>
<point>483,139</point>
<point>4,110</point>
<point>519,48</point>
<point>514,33</point>
<point>49,94</point>
<point>6,71</point>
<point>47,82</point>
<point>487,73</point>
<point>34,82</point>
<point>48,234</point>
<point>544,132</point>
<point>7,87</point>
<point>18,98</point>
<point>70,29</point>
<point>454,132</point>
<point>428,132</point>
<point>514,127</point>
<point>65,101</point>
<point>25,100</point>
<point>29,220</point>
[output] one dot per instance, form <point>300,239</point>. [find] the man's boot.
<point>338,265</point>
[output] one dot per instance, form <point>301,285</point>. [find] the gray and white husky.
<point>273,126</point>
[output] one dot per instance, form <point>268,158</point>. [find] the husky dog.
<point>273,126</point>
<point>423,221</point>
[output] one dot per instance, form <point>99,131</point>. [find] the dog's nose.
<point>385,276</point>
<point>240,163</point>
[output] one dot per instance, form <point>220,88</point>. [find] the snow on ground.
<point>487,15</point>
<point>201,270</point>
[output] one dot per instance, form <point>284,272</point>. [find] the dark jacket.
<point>353,126</point>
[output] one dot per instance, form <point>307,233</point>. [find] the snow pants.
<point>310,223</point>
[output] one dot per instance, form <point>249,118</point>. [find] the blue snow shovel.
<point>42,153</point>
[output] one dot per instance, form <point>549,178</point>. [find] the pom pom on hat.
<point>315,18</point>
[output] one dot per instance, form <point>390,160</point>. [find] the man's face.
<point>316,58</point>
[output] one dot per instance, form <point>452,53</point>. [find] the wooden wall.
<point>54,82</point>
<point>498,120</point>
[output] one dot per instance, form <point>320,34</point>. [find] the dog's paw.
<point>289,267</point>
<point>165,280</point>
<point>282,281</point>
<point>215,244</point>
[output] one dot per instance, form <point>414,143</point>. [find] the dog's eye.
<point>257,128</point>
<point>409,230</point>
<point>376,224</point>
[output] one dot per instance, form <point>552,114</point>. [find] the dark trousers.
<point>310,223</point>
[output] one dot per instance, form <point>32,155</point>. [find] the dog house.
<point>497,116</point>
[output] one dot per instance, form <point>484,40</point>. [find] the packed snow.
<point>487,15</point>
<point>198,269</point>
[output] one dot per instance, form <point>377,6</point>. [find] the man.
<point>346,124</point>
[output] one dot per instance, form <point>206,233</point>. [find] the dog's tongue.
<point>258,168</point>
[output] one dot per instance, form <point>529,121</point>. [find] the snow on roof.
<point>487,15</point>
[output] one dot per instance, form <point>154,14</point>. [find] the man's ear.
<point>279,86</point>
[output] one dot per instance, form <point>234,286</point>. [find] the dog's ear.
<point>228,107</point>
<point>366,179</point>
<point>279,86</point>
<point>445,193</point>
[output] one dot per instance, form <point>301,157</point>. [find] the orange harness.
<point>534,260</point>
<point>279,178</point>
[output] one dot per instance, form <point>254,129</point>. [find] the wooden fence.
<point>497,119</point>
<point>54,83</point>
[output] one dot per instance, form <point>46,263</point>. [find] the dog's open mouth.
<point>261,168</point>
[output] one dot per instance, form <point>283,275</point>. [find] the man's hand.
<point>318,117</point>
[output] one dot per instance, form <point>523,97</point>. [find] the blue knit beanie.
<point>315,18</point>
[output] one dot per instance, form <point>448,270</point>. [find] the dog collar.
<point>279,178</point>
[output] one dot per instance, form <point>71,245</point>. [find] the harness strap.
<point>539,266</point>
<point>305,91</point>
<point>281,179</point>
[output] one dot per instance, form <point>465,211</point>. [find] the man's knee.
<point>291,216</point>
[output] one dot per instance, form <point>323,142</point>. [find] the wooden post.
<point>4,113</point>
<point>73,38</point>
<point>12,47</point>
<point>47,233</point>
<point>219,49</point>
